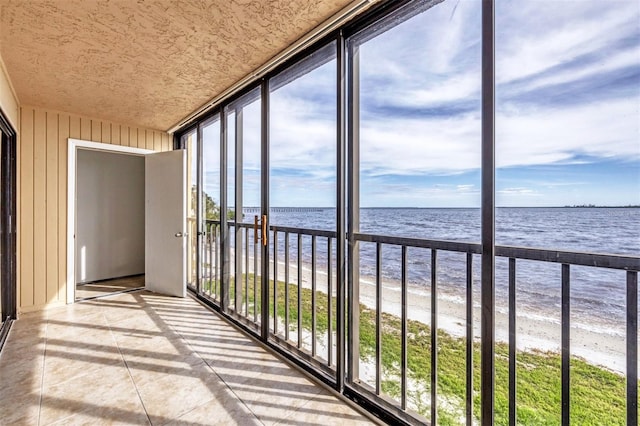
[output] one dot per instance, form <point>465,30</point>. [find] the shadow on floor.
<point>96,289</point>
<point>133,358</point>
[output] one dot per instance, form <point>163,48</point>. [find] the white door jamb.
<point>73,146</point>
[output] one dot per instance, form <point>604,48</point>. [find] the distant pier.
<point>253,210</point>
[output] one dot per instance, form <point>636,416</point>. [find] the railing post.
<point>469,357</point>
<point>313,296</point>
<point>512,343</point>
<point>632,347</point>
<point>488,215</point>
<point>275,281</point>
<point>403,335</point>
<point>286,286</point>
<point>434,337</point>
<point>379,318</point>
<point>566,344</point>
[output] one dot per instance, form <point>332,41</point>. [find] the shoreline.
<point>606,350</point>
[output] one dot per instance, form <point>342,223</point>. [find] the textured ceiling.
<point>145,63</point>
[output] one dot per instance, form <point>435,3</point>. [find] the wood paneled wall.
<point>42,194</point>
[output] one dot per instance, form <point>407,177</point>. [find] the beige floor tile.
<point>323,410</point>
<point>83,352</point>
<point>76,328</point>
<point>21,335</point>
<point>214,324</point>
<point>206,333</point>
<point>109,388</point>
<point>154,367</point>
<point>82,340</point>
<point>105,417</point>
<point>73,313</point>
<point>132,340</point>
<point>148,321</point>
<point>139,357</point>
<point>240,364</point>
<point>173,396</point>
<point>117,314</point>
<point>61,367</point>
<point>30,316</point>
<point>29,320</point>
<point>224,409</point>
<point>20,371</point>
<point>20,408</point>
<point>272,398</point>
<point>212,338</point>
<point>156,346</point>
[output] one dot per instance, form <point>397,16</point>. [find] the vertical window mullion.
<point>487,365</point>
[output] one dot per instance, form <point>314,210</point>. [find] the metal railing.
<point>244,268</point>
<point>312,299</point>
<point>630,264</point>
<point>399,406</point>
<point>211,271</point>
<point>568,259</point>
<point>297,300</point>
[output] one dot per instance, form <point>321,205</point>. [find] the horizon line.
<point>586,206</point>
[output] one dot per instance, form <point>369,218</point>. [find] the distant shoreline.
<point>580,206</point>
<point>593,206</point>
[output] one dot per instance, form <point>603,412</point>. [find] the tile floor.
<point>102,288</point>
<point>140,358</point>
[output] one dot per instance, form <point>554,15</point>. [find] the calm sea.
<point>598,296</point>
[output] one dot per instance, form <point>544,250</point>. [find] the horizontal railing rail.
<point>611,261</point>
<point>304,231</point>
<point>474,248</point>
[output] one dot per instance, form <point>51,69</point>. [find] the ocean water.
<point>597,295</point>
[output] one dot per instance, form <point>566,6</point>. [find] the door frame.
<point>8,220</point>
<point>73,146</point>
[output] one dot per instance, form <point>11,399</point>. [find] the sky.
<point>567,112</point>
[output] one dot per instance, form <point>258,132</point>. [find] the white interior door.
<point>165,223</point>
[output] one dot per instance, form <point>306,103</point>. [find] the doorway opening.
<point>106,241</point>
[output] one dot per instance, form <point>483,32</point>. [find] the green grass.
<point>597,395</point>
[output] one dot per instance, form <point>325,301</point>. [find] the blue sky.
<point>567,115</point>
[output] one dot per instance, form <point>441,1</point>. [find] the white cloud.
<point>417,146</point>
<point>543,133</point>
<point>467,188</point>
<point>553,135</point>
<point>535,36</point>
<point>518,191</point>
<point>413,74</point>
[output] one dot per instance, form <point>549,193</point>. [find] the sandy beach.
<point>533,333</point>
